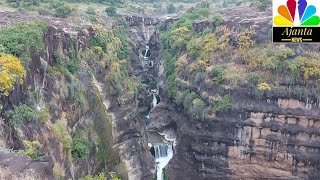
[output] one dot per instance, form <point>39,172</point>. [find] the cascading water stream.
<point>154,100</point>
<point>145,56</point>
<point>163,154</point>
<point>162,147</point>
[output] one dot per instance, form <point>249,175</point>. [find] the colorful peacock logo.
<point>287,14</point>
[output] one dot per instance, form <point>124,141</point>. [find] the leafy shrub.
<point>80,148</point>
<point>171,8</point>
<point>32,149</point>
<point>101,176</point>
<point>113,42</point>
<point>111,11</point>
<point>97,50</point>
<point>44,11</point>
<point>254,78</point>
<point>295,68</point>
<point>19,38</point>
<point>63,11</point>
<point>76,93</point>
<point>197,108</point>
<point>72,67</point>
<point>64,137</point>
<point>20,114</point>
<point>262,5</point>
<point>244,39</point>
<point>43,115</point>
<point>114,80</point>
<point>210,44</point>
<point>11,70</point>
<point>91,10</point>
<point>56,3</point>
<point>92,19</point>
<point>188,100</point>
<point>217,74</point>
<point>59,58</point>
<point>222,105</point>
<point>217,20</point>
<point>204,4</point>
<point>310,69</point>
<point>194,47</point>
<point>58,171</point>
<point>172,86</point>
<point>113,176</point>
<point>179,38</point>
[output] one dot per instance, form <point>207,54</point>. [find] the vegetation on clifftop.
<point>205,68</point>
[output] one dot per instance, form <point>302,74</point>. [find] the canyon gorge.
<point>131,113</point>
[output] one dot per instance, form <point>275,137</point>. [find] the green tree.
<point>262,5</point>
<point>91,10</point>
<point>223,105</point>
<point>204,4</point>
<point>20,114</point>
<point>217,74</point>
<point>80,148</point>
<point>171,8</point>
<point>32,149</point>
<point>111,11</point>
<point>11,70</point>
<point>63,11</point>
<point>194,47</point>
<point>18,39</point>
<point>197,108</point>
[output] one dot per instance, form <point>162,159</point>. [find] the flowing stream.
<point>162,148</point>
<point>163,154</point>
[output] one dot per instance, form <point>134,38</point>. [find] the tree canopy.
<point>11,70</point>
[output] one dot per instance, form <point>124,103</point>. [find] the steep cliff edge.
<point>237,106</point>
<point>226,125</point>
<point>90,121</point>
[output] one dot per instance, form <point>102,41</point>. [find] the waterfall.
<point>154,100</point>
<point>163,154</point>
<point>145,56</point>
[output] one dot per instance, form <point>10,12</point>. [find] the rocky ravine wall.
<point>122,131</point>
<point>258,139</point>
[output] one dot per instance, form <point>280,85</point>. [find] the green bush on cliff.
<point>101,176</point>
<point>222,105</point>
<point>32,149</point>
<point>194,48</point>
<point>20,114</point>
<point>64,138</point>
<point>113,42</point>
<point>63,11</point>
<point>43,115</point>
<point>80,148</point>
<point>197,108</point>
<point>111,11</point>
<point>262,4</point>
<point>171,8</point>
<point>90,10</point>
<point>20,38</point>
<point>76,93</point>
<point>217,74</point>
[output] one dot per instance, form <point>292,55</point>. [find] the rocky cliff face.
<point>274,138</point>
<point>116,135</point>
<point>258,139</point>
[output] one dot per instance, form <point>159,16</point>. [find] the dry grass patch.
<point>236,75</point>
